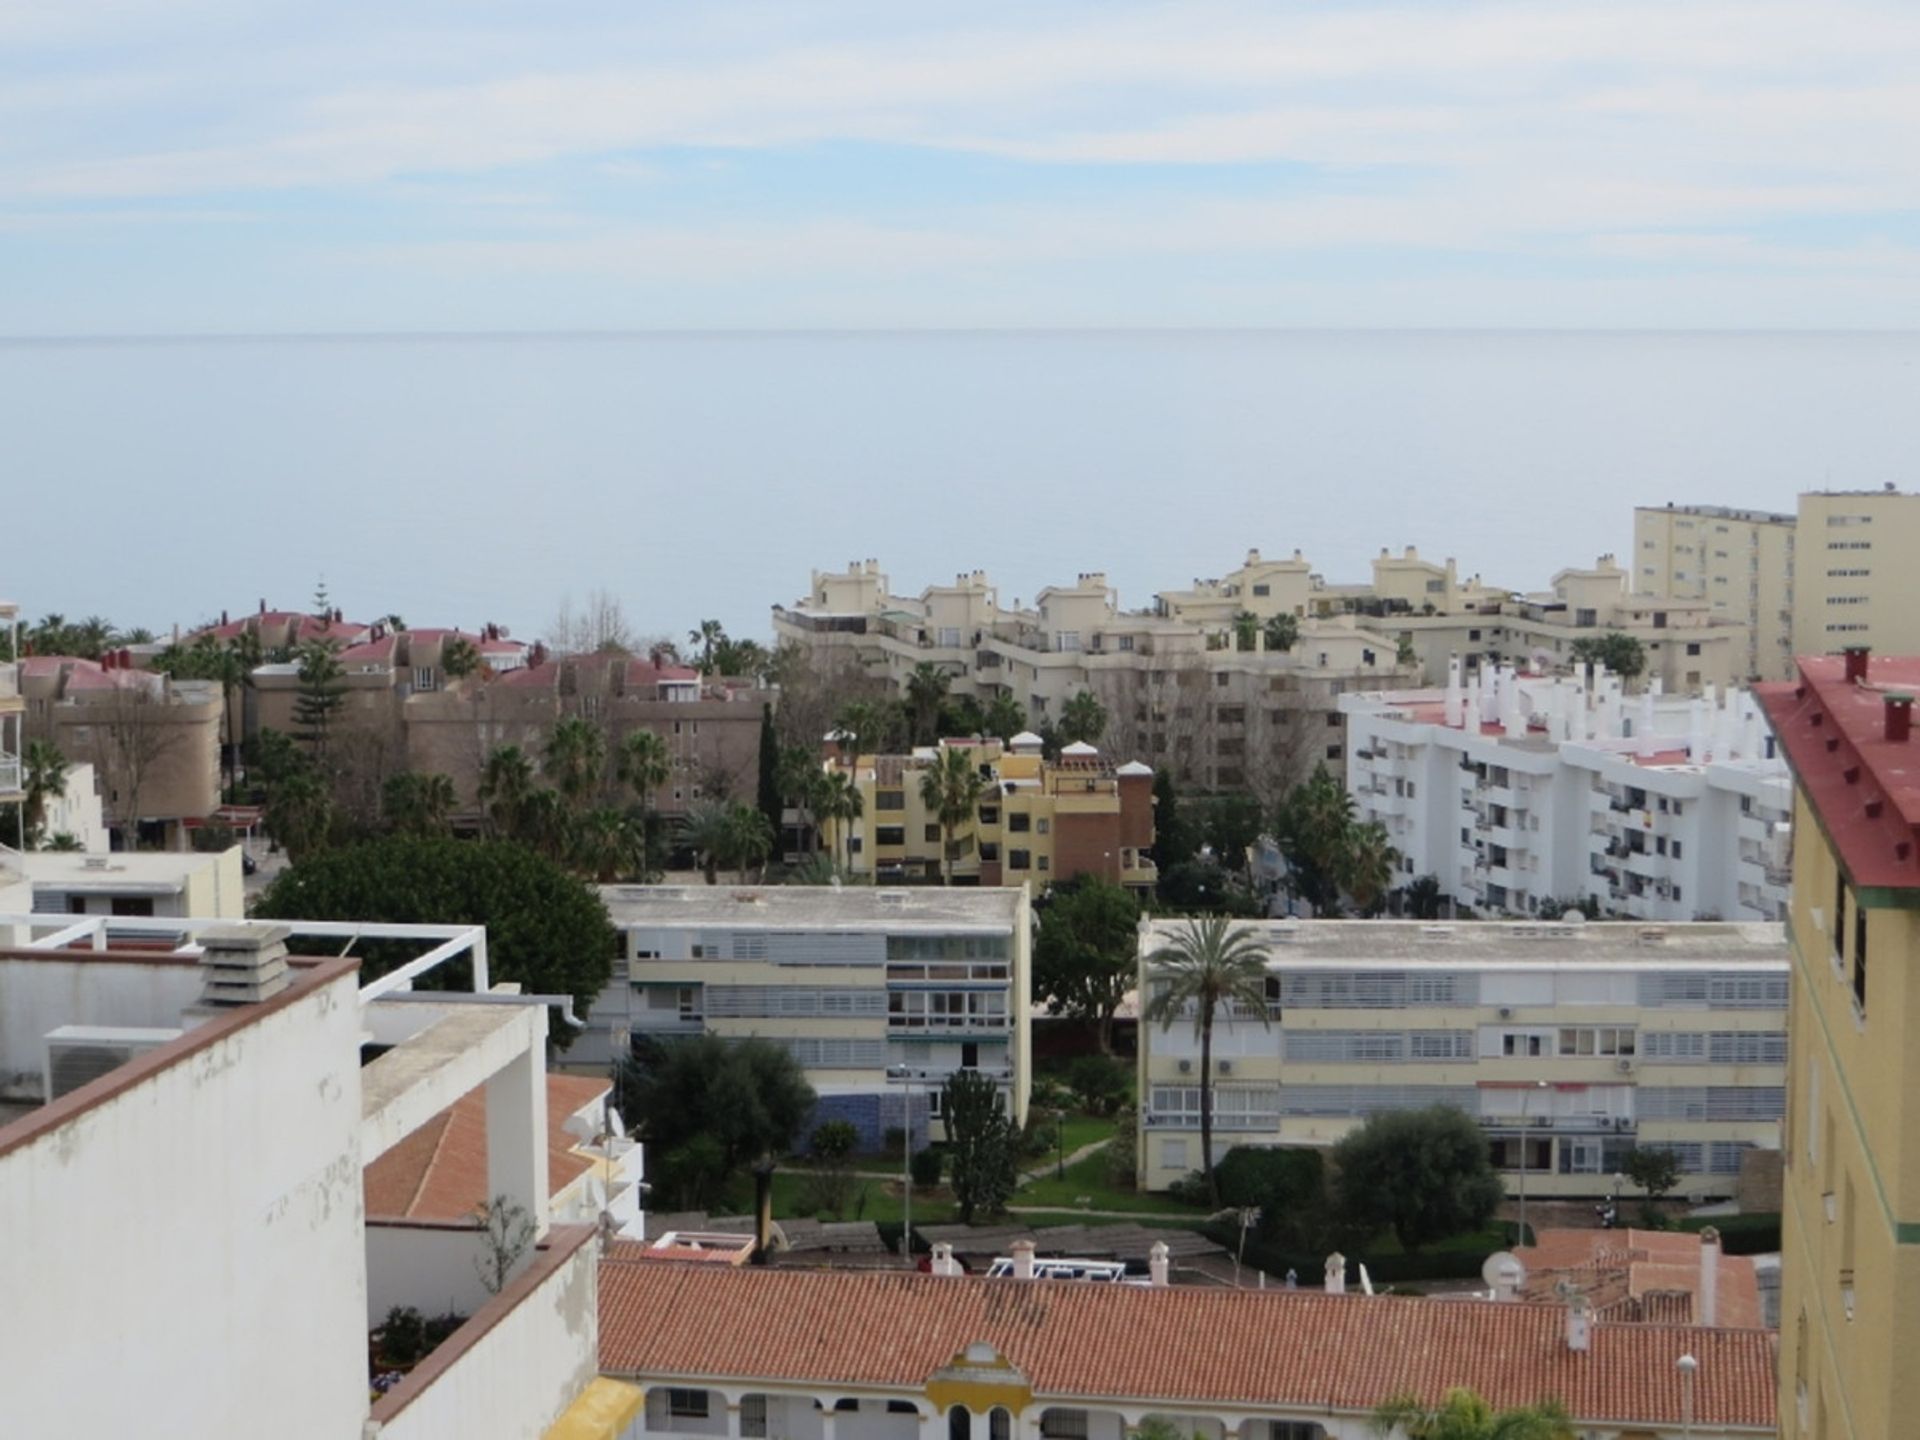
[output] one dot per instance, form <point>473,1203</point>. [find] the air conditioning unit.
<point>1624,1066</point>
<point>1186,1067</point>
<point>80,1054</point>
<point>1506,1012</point>
<point>1225,1067</point>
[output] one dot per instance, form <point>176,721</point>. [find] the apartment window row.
<point>818,1052</point>
<point>1852,628</point>
<point>1719,1047</point>
<point>1360,1046</point>
<point>1849,545</point>
<point>1717,1157</point>
<point>1596,1040</point>
<point>1374,1099</point>
<point>1378,989</point>
<point>919,973</point>
<point>1846,599</point>
<point>1234,1106</point>
<point>1851,574</point>
<point>947,947</point>
<point>1715,990</point>
<point>1835,522</point>
<point>947,1009</point>
<point>1711,1102</point>
<point>793,1001</point>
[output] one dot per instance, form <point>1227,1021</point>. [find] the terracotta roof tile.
<point>439,1172</point>
<point>1622,1271</point>
<point>1184,1344</point>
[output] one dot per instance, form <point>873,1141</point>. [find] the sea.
<point>462,479</point>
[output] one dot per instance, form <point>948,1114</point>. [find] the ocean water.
<point>464,479</point>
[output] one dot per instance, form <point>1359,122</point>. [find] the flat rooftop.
<point>1457,943</point>
<point>815,907</point>
<point>145,870</point>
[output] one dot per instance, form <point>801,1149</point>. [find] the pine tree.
<point>323,690</point>
<point>768,795</point>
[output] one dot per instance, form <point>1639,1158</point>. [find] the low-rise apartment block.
<point>880,994</point>
<point>1570,1043</point>
<point>129,884</point>
<point>1037,820</point>
<point>1516,790</point>
<point>242,1090</point>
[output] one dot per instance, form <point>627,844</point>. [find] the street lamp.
<point>1060,1144</point>
<point>1687,1366</point>
<point>905,1076</point>
<point>1525,1095</point>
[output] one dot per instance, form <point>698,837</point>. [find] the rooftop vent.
<point>1857,661</point>
<point>1899,718</point>
<point>242,965</point>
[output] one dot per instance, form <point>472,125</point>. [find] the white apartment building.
<point>881,994</point>
<point>1514,790</point>
<point>1571,1043</point>
<point>1739,561</point>
<point>184,1131</point>
<point>139,883</point>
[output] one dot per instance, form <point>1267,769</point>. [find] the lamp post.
<point>1525,1096</point>
<point>905,1077</point>
<point>1688,1367</point>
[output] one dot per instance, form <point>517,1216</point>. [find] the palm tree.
<point>45,773</point>
<point>801,780</point>
<point>300,811</point>
<point>1246,629</point>
<point>576,756</point>
<point>950,788</point>
<point>839,801</point>
<point>861,723</point>
<point>709,835</point>
<point>749,838</point>
<point>506,780</point>
<point>1283,631</point>
<point>546,822</point>
<point>927,687</point>
<point>1005,718</point>
<point>1082,718</point>
<point>707,634</point>
<point>419,804</point>
<point>243,658</point>
<point>1463,1415</point>
<point>1369,865</point>
<point>608,844</point>
<point>643,766</point>
<point>1210,963</point>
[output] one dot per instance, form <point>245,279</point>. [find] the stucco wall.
<point>42,995</point>
<point>192,1245</point>
<point>427,1266</point>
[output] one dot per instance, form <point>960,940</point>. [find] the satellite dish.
<point>1503,1263</point>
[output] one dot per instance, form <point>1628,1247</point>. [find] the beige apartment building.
<point>13,739</point>
<point>153,742</point>
<point>1037,820</point>
<point>1570,1043</point>
<point>1739,561</point>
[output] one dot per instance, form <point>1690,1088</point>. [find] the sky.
<point>262,167</point>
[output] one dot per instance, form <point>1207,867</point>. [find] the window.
<point>132,905</point>
<point>1693,647</point>
<point>959,1423</point>
<point>889,799</point>
<point>1333,752</point>
<point>949,637</point>
<point>1019,859</point>
<point>890,835</point>
<point>687,1404</point>
<point>423,677</point>
<point>753,1417</point>
<point>1333,719</point>
<point>990,851</point>
<point>999,1424</point>
<point>989,814</point>
<point>1173,1156</point>
<point>1605,1040</point>
<point>1839,916</point>
<point>1263,589</point>
<point>932,834</point>
<point>1072,1424</point>
<point>1019,821</point>
<point>1860,956</point>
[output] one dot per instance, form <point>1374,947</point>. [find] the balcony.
<point>9,775</point>
<point>1560,1124</point>
<point>9,682</point>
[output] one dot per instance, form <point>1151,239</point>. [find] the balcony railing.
<point>9,775</point>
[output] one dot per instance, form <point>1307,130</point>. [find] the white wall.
<point>519,1376</point>
<point>427,1266</point>
<point>42,995</point>
<point>192,1246</point>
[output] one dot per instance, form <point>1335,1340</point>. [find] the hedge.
<point>1381,1269</point>
<point>1739,1234</point>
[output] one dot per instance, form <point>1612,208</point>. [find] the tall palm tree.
<point>608,844</point>
<point>710,835</point>
<point>300,812</point>
<point>576,757</point>
<point>419,804</point>
<point>950,788</point>
<point>861,723</point>
<point>643,766</point>
<point>546,822</point>
<point>1464,1415</point>
<point>1209,963</point>
<point>927,688</point>
<point>1082,718</point>
<point>839,801</point>
<point>1370,864</point>
<point>1005,718</point>
<point>1283,631</point>
<point>244,656</point>
<point>707,634</point>
<point>749,838</point>
<point>506,780</point>
<point>45,776</point>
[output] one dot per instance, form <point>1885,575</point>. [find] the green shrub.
<point>926,1166</point>
<point>1099,1082</point>
<point>1740,1234</point>
<point>834,1141</point>
<point>1123,1151</point>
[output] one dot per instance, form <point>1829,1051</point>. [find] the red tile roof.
<point>1865,788</point>
<point>439,1172</point>
<point>1074,1341</point>
<point>1627,1274</point>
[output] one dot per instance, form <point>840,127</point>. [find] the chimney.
<point>1023,1259</point>
<point>1579,1325</point>
<point>763,1212</point>
<point>1157,1263</point>
<point>1336,1274</point>
<point>241,965</point>
<point>943,1261</point>
<point>1706,1310</point>
<point>1857,661</point>
<point>1506,1280</point>
<point>1899,718</point>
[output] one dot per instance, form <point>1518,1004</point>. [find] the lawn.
<point>1089,1178</point>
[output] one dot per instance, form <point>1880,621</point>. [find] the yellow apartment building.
<point>1571,1044</point>
<point>1850,1263</point>
<point>1855,581</point>
<point>880,994</point>
<point>1741,562</point>
<point>1037,820</point>
<point>12,729</point>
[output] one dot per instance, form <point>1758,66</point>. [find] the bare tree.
<point>600,624</point>
<point>364,754</point>
<point>139,736</point>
